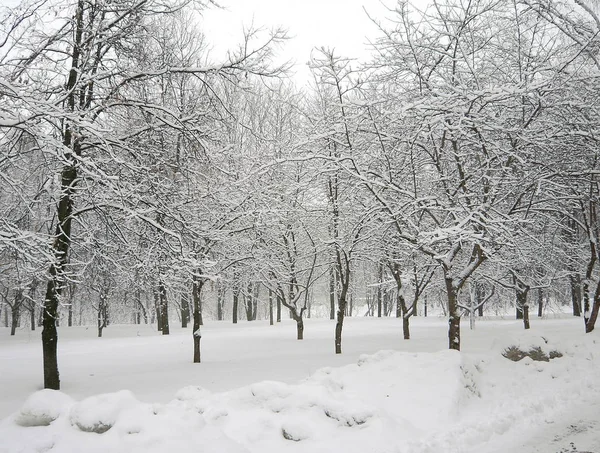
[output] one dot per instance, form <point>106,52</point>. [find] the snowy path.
<point>575,429</point>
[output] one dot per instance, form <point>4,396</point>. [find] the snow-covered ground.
<point>260,390</point>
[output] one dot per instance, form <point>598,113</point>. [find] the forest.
<point>142,181</point>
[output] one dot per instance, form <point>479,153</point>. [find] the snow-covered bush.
<point>42,408</point>
<point>97,414</point>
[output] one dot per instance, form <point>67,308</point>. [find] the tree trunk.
<point>236,295</point>
<point>523,305</point>
<point>16,309</point>
<point>331,293</point>
<point>406,327</point>
<point>338,330</point>
<point>102,312</point>
<point>164,307</point>
<point>278,308</point>
<point>340,313</point>
<point>454,315</point>
<point>220,302</point>
<point>299,327</point>
<point>185,311</point>
<point>197,284</point>
<point>425,306</point>
<point>575,283</point>
<point>141,307</point>
<point>379,291</point>
<point>590,317</point>
<point>540,303</point>
<point>70,315</point>
<point>157,310</point>
<point>62,237</point>
<point>270,307</point>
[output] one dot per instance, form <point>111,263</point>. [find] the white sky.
<point>339,24</point>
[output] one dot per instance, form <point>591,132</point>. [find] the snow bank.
<point>387,402</point>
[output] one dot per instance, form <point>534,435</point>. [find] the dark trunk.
<point>197,284</point>
<point>454,315</point>
<point>250,303</point>
<point>141,308</point>
<point>338,329</point>
<point>480,291</point>
<point>341,310</point>
<point>590,317</point>
<point>575,281</point>
<point>70,315</point>
<point>518,310</point>
<point>185,312</point>
<point>270,307</point>
<point>236,296</point>
<point>157,310</point>
<point>62,238</point>
<point>379,291</point>
<point>164,308</point>
<point>425,306</point>
<point>540,302</point>
<point>406,327</point>
<point>278,308</point>
<point>32,316</point>
<point>102,312</point>
<point>299,327</point>
<point>522,304</point>
<point>220,302</point>
<point>16,312</point>
<point>331,293</point>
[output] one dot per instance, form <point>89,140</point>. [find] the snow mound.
<point>418,389</point>
<point>97,414</point>
<point>42,408</point>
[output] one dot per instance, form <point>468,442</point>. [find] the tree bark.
<point>16,312</point>
<point>454,315</point>
<point>278,308</point>
<point>331,293</point>
<point>338,329</point>
<point>575,283</point>
<point>197,284</point>
<point>164,307</point>
<point>341,309</point>
<point>220,302</point>
<point>299,327</point>
<point>406,327</point>
<point>270,307</point>
<point>236,295</point>
<point>379,292</point>
<point>157,310</point>
<point>522,304</point>
<point>185,311</point>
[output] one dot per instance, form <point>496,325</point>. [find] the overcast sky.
<point>339,24</point>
